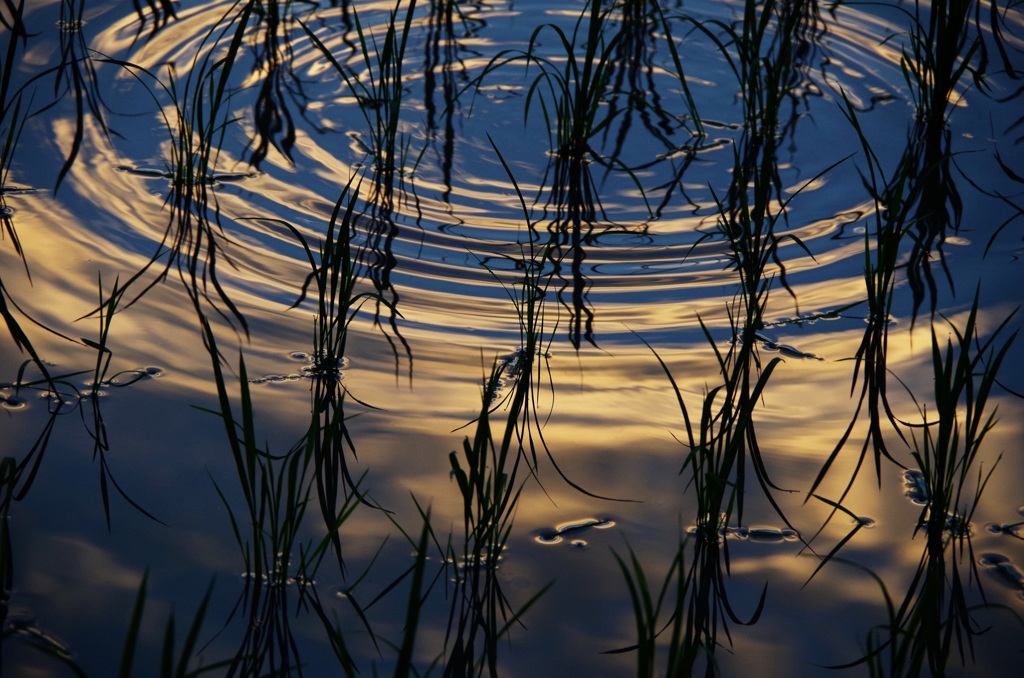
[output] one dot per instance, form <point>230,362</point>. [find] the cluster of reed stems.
<point>585,85</point>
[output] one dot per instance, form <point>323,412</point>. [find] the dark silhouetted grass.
<point>380,90</point>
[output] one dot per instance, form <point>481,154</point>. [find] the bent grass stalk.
<point>194,239</point>
<point>97,430</point>
<point>276,491</point>
<point>936,615</point>
<point>334,276</point>
<point>893,198</point>
<point>722,440</point>
<point>379,91</point>
<point>950,442</point>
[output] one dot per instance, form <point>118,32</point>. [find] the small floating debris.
<point>26,626</point>
<point>274,579</point>
<point>209,178</point>
<point>1010,530</point>
<point>574,528</point>
<point>765,535</point>
<point>19,190</point>
<point>771,534</point>
<point>12,402</point>
<point>958,526</point>
<point>1004,571</point>
<point>231,177</point>
<point>144,172</point>
<point>876,320</point>
<point>809,318</point>
<point>511,366</point>
<point>915,487</point>
<point>785,349</point>
<point>73,26</point>
<point>717,124</point>
<point>315,367</point>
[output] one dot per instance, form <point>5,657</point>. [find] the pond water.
<point>197,145</point>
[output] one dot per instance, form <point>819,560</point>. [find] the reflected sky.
<point>458,244</point>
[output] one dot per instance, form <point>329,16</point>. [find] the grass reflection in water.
<point>632,180</point>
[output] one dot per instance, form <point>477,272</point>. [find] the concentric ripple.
<point>446,235</point>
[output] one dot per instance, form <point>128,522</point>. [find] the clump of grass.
<point>894,198</point>
<point>276,491</point>
<point>721,441</point>
<point>633,75</point>
<point>195,241</point>
<point>685,621</point>
<point>571,97</point>
<point>575,84</point>
<point>936,616</point>
<point>940,52</point>
<point>486,475</point>
<point>380,90</point>
<point>764,51</point>
<point>487,483</point>
<point>334,277</point>
<point>950,442</point>
<point>170,665</point>
<point>760,51</point>
<point>98,430</point>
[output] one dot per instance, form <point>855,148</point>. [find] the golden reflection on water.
<point>613,423</point>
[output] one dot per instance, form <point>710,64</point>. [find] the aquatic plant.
<point>336,270</point>
<point>380,91</point>
<point>695,601</point>
<point>170,665</point>
<point>571,97</point>
<point>194,239</point>
<point>487,482</point>
<point>940,52</point>
<point>762,50</point>
<point>936,615</point>
<point>893,199</point>
<point>487,477</point>
<point>536,334</point>
<point>950,442</point>
<point>573,89</point>
<point>97,429</point>
<point>486,474</point>
<point>276,492</point>
<point>634,66</point>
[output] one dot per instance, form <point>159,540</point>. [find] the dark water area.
<point>511,338</point>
